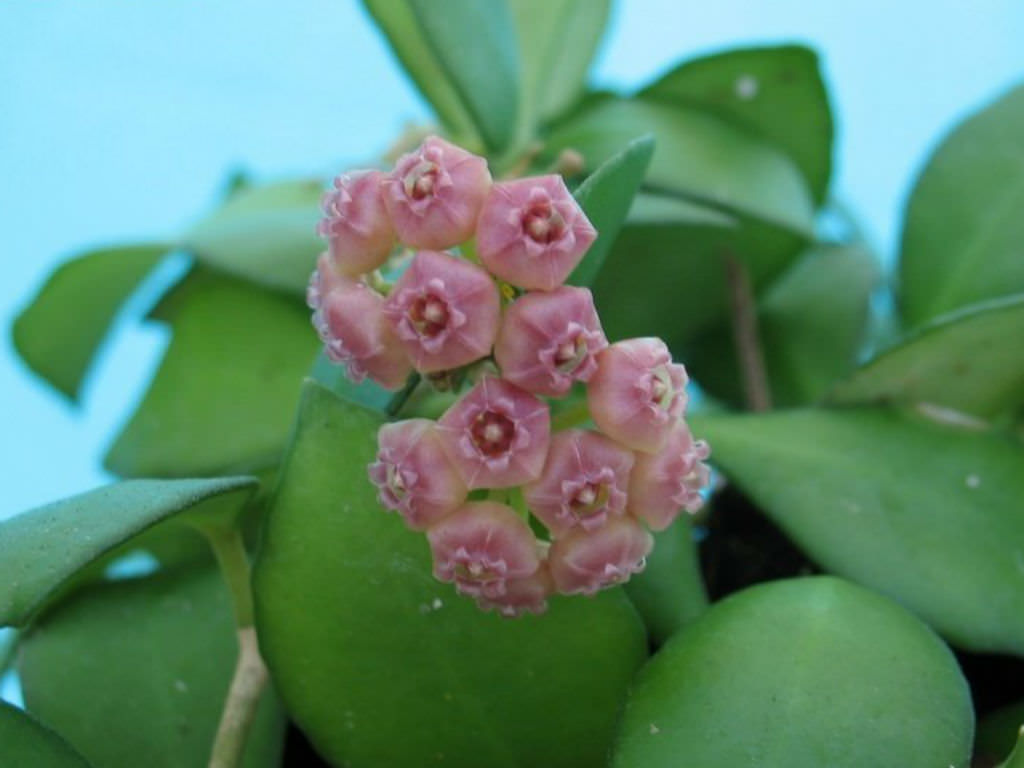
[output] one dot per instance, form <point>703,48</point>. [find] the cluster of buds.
<point>513,511</point>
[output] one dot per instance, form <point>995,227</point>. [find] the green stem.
<point>251,673</point>
<point>403,395</point>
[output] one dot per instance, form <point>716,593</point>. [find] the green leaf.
<point>557,41</point>
<point>26,743</point>
<point>606,197</point>
<point>669,593</point>
<point>43,548</point>
<point>224,396</point>
<point>698,157</point>
<point>380,664</point>
<point>970,361</point>
<point>1016,758</point>
<point>59,332</point>
<point>812,323</point>
<point>665,274</point>
<point>997,733</point>
<point>266,234</point>
<point>800,673</point>
<point>963,236</point>
<point>926,514</point>
<point>367,393</point>
<point>776,92</point>
<point>134,673</point>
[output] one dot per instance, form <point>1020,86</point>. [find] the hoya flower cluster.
<point>498,314</point>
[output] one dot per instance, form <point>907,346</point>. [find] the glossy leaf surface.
<point>266,234</point>
<point>224,396</point>
<point>812,323</point>
<point>382,665</point>
<point>134,673</point>
<point>963,236</point>
<point>25,742</point>
<point>777,92</point>
<point>971,361</point>
<point>606,197</point>
<point>42,548</point>
<point>800,674</point>
<point>926,514</point>
<point>58,334</point>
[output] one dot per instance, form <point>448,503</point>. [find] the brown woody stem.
<point>746,336</point>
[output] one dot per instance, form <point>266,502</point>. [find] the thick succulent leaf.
<point>59,332</point>
<point>777,92</point>
<point>25,742</point>
<point>669,593</point>
<point>380,664</point>
<point>927,514</point>
<point>43,548</point>
<point>800,673</point>
<point>699,157</point>
<point>1016,758</point>
<point>606,197</point>
<point>812,323</point>
<point>997,734</point>
<point>135,673</point>
<point>557,40</point>
<point>665,274</point>
<point>963,236</point>
<point>266,234</point>
<point>971,361</point>
<point>225,393</point>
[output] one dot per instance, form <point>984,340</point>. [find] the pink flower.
<point>325,278</point>
<point>350,321</point>
<point>583,484</point>
<point>521,596</point>
<point>666,482</point>
<point>585,562</point>
<point>482,546</point>
<point>445,311</point>
<point>356,223</point>
<point>496,435</point>
<point>434,194</point>
<point>532,232</point>
<point>549,340</point>
<point>637,393</point>
<point>413,474</point>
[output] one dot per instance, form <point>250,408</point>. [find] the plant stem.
<point>251,674</point>
<point>746,336</point>
<point>402,396</point>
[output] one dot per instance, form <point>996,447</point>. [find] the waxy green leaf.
<point>223,398</point>
<point>58,334</point>
<point>606,197</point>
<point>380,664</point>
<point>963,236</point>
<point>557,40</point>
<point>971,361</point>
<point>43,548</point>
<point>266,234</point>
<point>812,323</point>
<point>801,673</point>
<point>1016,758</point>
<point>926,514</point>
<point>776,92</point>
<point>698,157</point>
<point>24,743</point>
<point>135,673</point>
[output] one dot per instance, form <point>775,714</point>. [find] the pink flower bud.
<point>532,232</point>
<point>434,194</point>
<point>496,435</point>
<point>413,474</point>
<point>584,562</point>
<point>666,482</point>
<point>350,321</point>
<point>549,340</point>
<point>356,223</point>
<point>583,484</point>
<point>445,311</point>
<point>521,596</point>
<point>637,393</point>
<point>482,546</point>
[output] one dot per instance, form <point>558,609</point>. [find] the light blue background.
<point>119,121</point>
